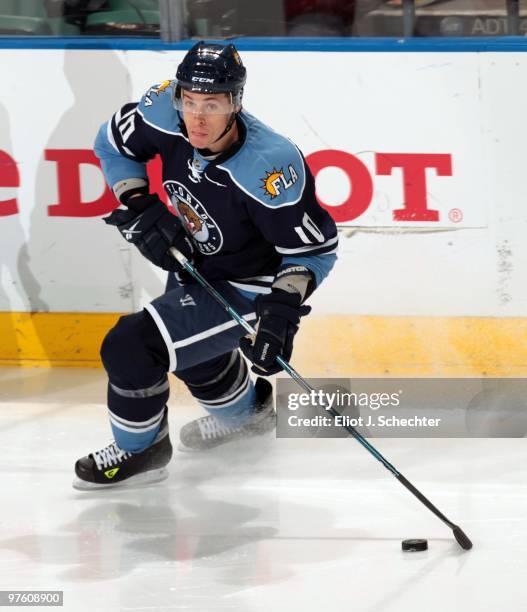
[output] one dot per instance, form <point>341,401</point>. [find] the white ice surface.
<point>273,525</point>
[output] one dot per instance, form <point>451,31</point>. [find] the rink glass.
<point>174,20</point>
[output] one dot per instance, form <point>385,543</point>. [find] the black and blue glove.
<point>153,229</point>
<point>279,315</point>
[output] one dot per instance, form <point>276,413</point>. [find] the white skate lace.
<point>110,455</point>
<point>209,427</point>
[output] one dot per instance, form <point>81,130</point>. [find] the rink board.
<point>345,345</point>
<point>418,156</point>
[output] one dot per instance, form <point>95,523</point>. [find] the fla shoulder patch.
<point>268,167</point>
<point>157,110</point>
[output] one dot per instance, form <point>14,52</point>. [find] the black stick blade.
<point>462,538</point>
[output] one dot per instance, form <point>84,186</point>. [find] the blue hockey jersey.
<point>248,211</point>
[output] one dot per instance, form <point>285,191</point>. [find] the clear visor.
<point>205,104</point>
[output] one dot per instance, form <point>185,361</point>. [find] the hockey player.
<point>248,218</point>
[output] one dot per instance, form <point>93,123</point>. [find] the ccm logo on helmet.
<point>202,80</point>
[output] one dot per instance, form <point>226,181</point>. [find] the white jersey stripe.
<point>166,336</point>
<point>306,249</point>
<point>211,332</point>
<point>252,288</point>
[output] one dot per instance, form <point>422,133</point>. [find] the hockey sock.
<point>223,388</point>
<point>136,360</point>
<point>136,414</point>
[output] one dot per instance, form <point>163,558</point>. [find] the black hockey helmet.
<point>212,68</point>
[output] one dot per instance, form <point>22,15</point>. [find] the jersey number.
<point>127,127</point>
<point>309,226</point>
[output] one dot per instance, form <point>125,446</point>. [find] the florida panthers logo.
<point>192,220</point>
<point>200,225</point>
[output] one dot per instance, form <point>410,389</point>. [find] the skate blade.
<point>145,479</point>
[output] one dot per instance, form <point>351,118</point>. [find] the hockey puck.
<point>414,545</point>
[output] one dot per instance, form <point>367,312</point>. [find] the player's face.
<point>206,116</point>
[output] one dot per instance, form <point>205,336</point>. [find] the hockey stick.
<point>459,534</point>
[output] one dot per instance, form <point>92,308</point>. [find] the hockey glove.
<point>279,315</point>
<point>153,229</point>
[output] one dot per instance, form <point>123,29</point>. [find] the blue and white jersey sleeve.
<point>131,137</point>
<point>285,210</point>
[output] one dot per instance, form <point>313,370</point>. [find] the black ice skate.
<point>207,432</point>
<point>111,466</point>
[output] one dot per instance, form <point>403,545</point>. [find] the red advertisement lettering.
<point>69,188</point>
<point>155,177</point>
<point>359,177</point>
<point>68,179</point>
<point>9,177</point>
<point>414,167</point>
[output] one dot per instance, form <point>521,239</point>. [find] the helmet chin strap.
<point>228,128</point>
<point>231,120</point>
